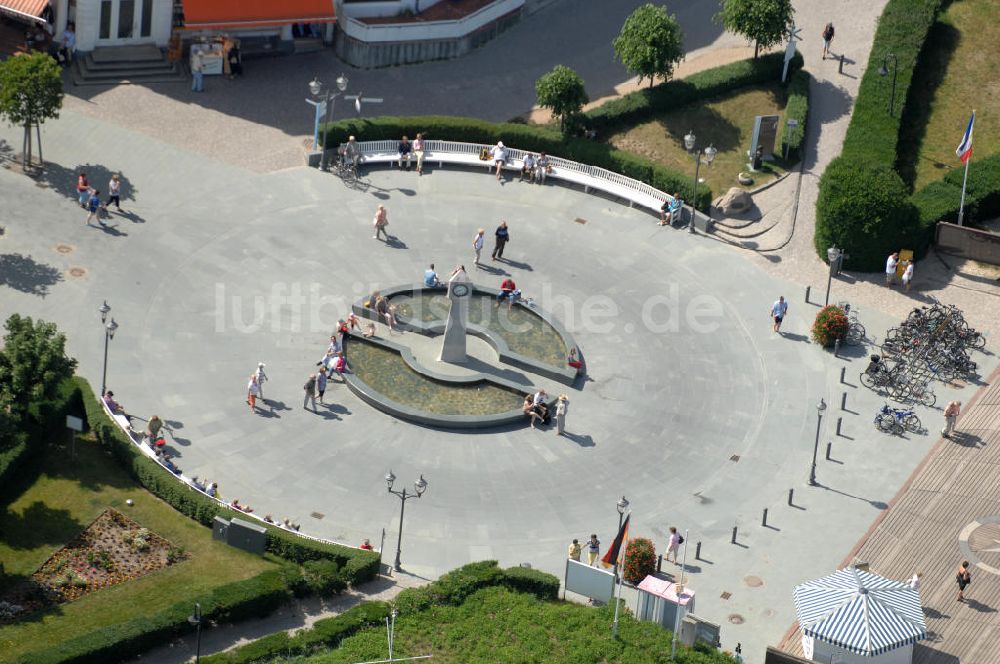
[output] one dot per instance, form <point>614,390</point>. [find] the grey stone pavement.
<point>694,409</point>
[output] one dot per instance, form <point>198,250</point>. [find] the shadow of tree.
<point>25,274</point>
<point>38,525</point>
<point>931,69</point>
<point>706,123</point>
<point>827,103</point>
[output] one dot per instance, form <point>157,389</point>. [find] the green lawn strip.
<point>66,496</point>
<point>725,122</point>
<point>496,624</point>
<point>956,74</point>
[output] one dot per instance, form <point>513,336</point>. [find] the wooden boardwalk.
<point>949,511</point>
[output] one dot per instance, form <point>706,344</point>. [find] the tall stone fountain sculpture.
<point>459,293</point>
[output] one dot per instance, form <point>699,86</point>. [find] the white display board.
<point>597,584</point>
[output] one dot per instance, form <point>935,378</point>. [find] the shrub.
<point>797,108</point>
<point>939,200</point>
<point>831,324</point>
<point>640,560</point>
<point>864,210</point>
<point>322,577</point>
<point>535,582</point>
<point>524,137</point>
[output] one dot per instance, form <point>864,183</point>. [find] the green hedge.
<point>250,598</point>
<point>11,461</point>
<point>523,137</point>
<point>939,200</point>
<point>873,135</point>
<point>643,105</point>
<point>359,565</point>
<point>796,107</point>
<point>451,589</point>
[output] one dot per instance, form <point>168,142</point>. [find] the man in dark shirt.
<point>405,150</point>
<point>502,238</point>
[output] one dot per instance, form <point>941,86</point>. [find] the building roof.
<point>229,14</point>
<point>23,8</point>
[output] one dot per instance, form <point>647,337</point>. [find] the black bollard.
<point>829,446</point>
<point>659,563</point>
<point>733,541</point>
<point>808,288</point>
<point>843,401</point>
<point>697,551</point>
<point>840,420</point>
<point>843,374</point>
<point>836,347</point>
<point>841,69</point>
<point>763,521</point>
<point>791,494</point>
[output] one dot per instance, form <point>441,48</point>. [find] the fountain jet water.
<point>459,292</point>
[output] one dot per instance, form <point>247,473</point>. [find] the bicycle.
<point>892,420</point>
<point>345,168</point>
<point>855,330</point>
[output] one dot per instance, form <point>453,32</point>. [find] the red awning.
<point>23,8</point>
<point>229,14</point>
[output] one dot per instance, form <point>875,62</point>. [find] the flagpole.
<point>620,578</point>
<point>961,205</point>
<point>677,614</point>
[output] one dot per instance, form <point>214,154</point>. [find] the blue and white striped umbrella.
<point>861,612</point>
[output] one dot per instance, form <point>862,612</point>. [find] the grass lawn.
<point>65,497</point>
<point>957,73</point>
<point>725,122</point>
<point>498,625</point>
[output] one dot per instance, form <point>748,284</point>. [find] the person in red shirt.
<point>367,546</point>
<point>507,290</point>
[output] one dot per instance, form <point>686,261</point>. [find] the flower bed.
<point>831,324</point>
<point>111,550</point>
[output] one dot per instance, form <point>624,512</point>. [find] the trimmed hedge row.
<point>452,589</point>
<point>643,105</point>
<point>250,598</point>
<point>939,200</point>
<point>524,137</point>
<point>873,135</point>
<point>797,108</point>
<point>356,565</point>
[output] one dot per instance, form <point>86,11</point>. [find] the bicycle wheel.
<point>867,380</point>
<point>911,423</point>
<point>885,422</point>
<point>855,334</point>
<point>928,398</point>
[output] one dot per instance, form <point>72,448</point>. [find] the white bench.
<point>467,154</point>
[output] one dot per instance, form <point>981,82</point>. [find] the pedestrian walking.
<point>562,405</point>
<point>82,189</point>
<point>778,311</point>
<point>502,238</point>
<point>477,244</point>
<point>827,38</point>
<point>114,193</point>
<point>310,392</point>
<point>253,390</point>
<point>261,378</point>
<point>321,385</point>
<point>915,580</point>
<point>380,221</point>
<point>964,580</point>
<point>907,275</point>
<point>593,550</point>
<point>673,544</point>
<point>197,73</point>
<point>94,207</point>
<point>890,268</point>
<point>153,427</point>
<point>951,413</point>
<point>574,550</point>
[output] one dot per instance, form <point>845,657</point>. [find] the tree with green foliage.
<point>650,43</point>
<point>31,92</point>
<point>764,22</point>
<point>562,91</point>
<point>33,363</point>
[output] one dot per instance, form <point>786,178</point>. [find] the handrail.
<point>148,452</point>
<point>595,173</point>
<point>427,30</point>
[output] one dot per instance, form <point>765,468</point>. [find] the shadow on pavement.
<point>25,274</point>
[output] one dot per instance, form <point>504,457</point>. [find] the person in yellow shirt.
<point>574,550</point>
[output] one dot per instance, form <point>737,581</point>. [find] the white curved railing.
<point>373,33</point>
<point>123,423</point>
<point>590,176</point>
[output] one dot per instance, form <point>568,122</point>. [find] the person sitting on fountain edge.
<point>431,278</point>
<point>507,290</point>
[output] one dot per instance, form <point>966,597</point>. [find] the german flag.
<point>616,552</point>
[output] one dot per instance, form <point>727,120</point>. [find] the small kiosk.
<point>660,601</point>
<point>212,55</point>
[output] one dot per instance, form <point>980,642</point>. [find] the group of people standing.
<point>891,266</point>
<point>674,541</point>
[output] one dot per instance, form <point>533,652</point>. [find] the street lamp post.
<point>820,407</point>
<point>689,142</point>
<point>884,71</point>
<point>622,506</point>
<point>419,486</point>
<point>316,88</point>
<point>109,334</point>
<point>195,619</point>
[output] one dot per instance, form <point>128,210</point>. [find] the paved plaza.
<point>231,252</point>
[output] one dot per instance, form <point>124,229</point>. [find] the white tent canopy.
<point>861,612</point>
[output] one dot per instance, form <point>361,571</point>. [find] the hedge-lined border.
<point>452,588</point>
<point>250,598</point>
<point>356,565</point>
<point>796,108</point>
